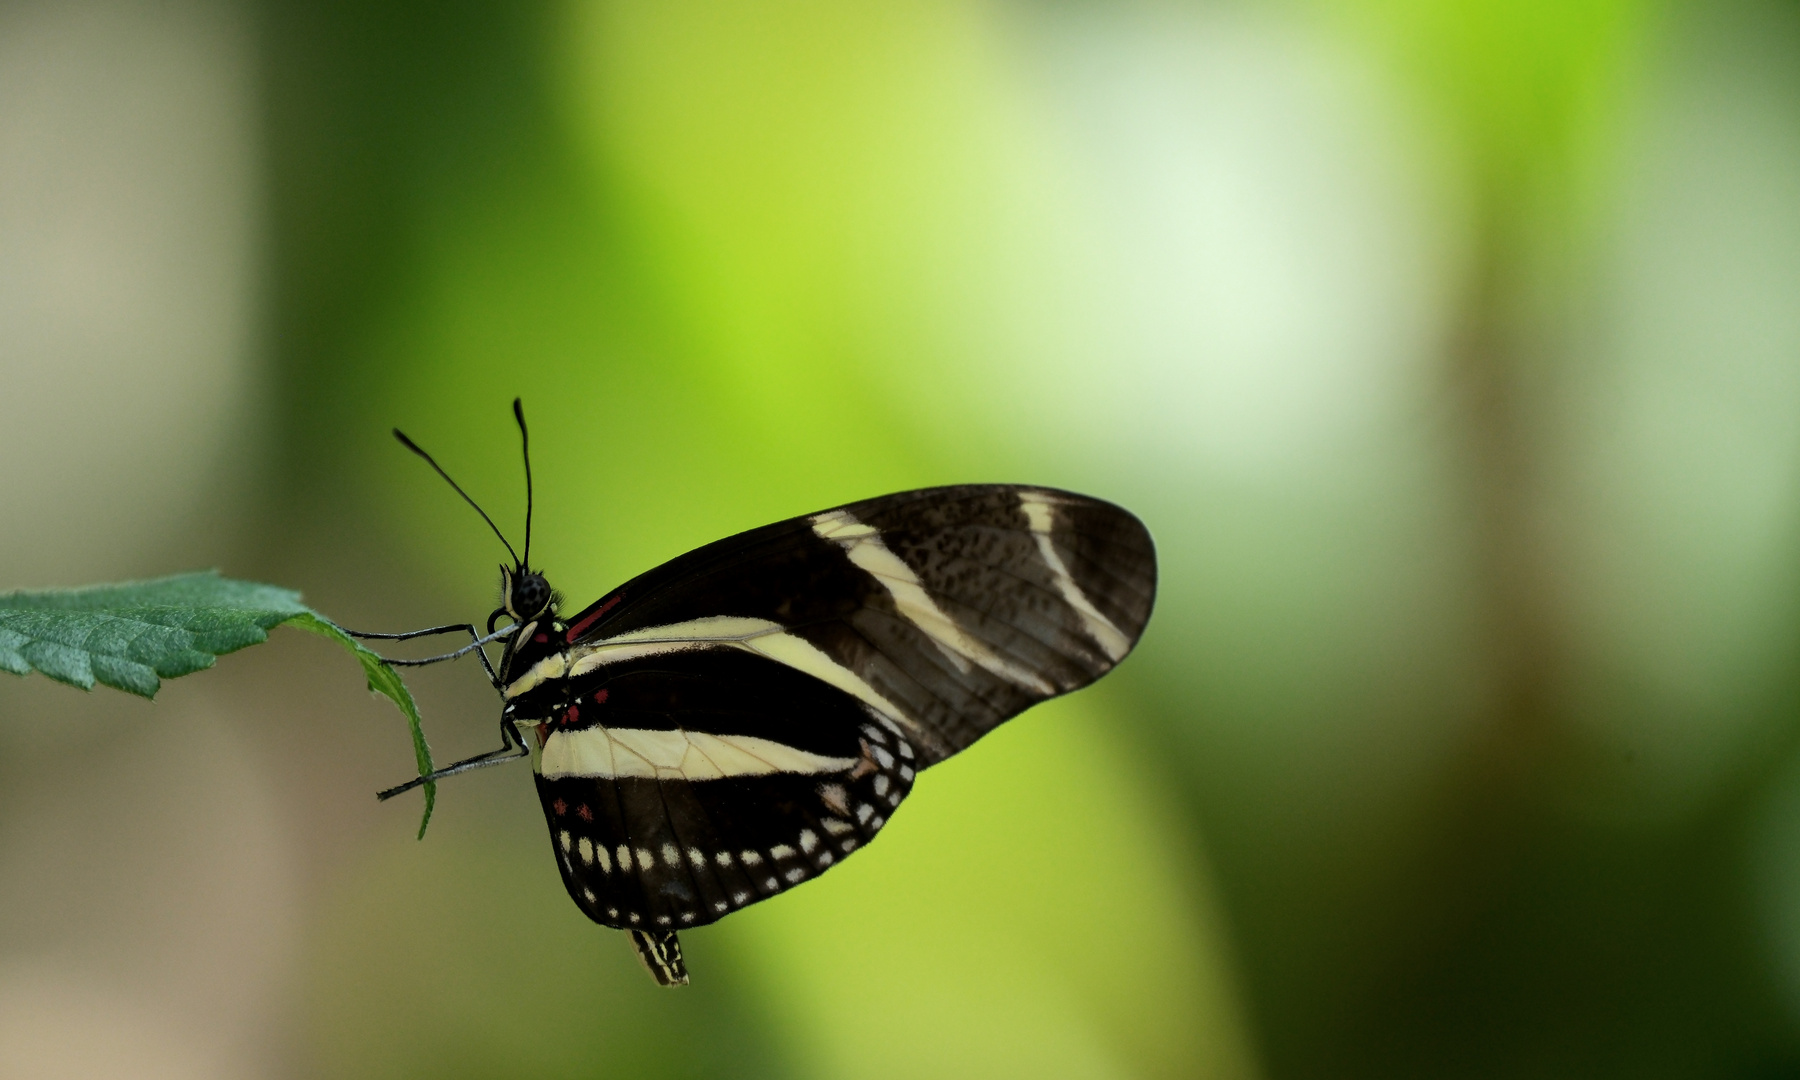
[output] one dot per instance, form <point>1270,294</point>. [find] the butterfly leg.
<point>513,750</point>
<point>475,646</point>
<point>452,628</point>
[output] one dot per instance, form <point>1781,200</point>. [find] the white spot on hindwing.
<point>586,848</point>
<point>808,840</point>
<point>869,553</point>
<point>563,839</point>
<point>781,851</point>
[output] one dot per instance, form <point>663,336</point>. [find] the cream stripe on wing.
<point>611,753</point>
<point>550,667</point>
<point>759,636</point>
<point>1036,505</point>
<point>863,544</point>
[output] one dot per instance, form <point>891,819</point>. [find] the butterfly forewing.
<point>958,606</point>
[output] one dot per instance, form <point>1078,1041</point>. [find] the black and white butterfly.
<point>742,718</point>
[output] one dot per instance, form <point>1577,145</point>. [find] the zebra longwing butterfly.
<point>740,719</point>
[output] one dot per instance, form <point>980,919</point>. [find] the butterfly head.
<point>525,594</point>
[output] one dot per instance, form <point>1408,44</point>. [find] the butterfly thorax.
<point>533,667</point>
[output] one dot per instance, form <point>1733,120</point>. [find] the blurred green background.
<point>1450,349</point>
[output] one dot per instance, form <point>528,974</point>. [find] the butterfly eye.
<point>530,595</point>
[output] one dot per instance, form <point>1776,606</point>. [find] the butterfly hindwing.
<point>683,785</point>
<point>638,852</point>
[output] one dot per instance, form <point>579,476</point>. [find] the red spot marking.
<point>541,638</point>
<point>600,698</point>
<point>559,806</point>
<point>586,814</point>
<point>577,630</point>
<point>571,716</point>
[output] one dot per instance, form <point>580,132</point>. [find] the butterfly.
<point>741,719</point>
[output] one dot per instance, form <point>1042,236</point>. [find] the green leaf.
<point>384,680</point>
<point>133,635</point>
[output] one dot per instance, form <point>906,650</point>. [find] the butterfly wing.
<point>956,607</point>
<point>689,784</point>
<point>744,716</point>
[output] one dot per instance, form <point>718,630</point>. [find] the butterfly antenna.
<point>525,446</point>
<point>414,447</point>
